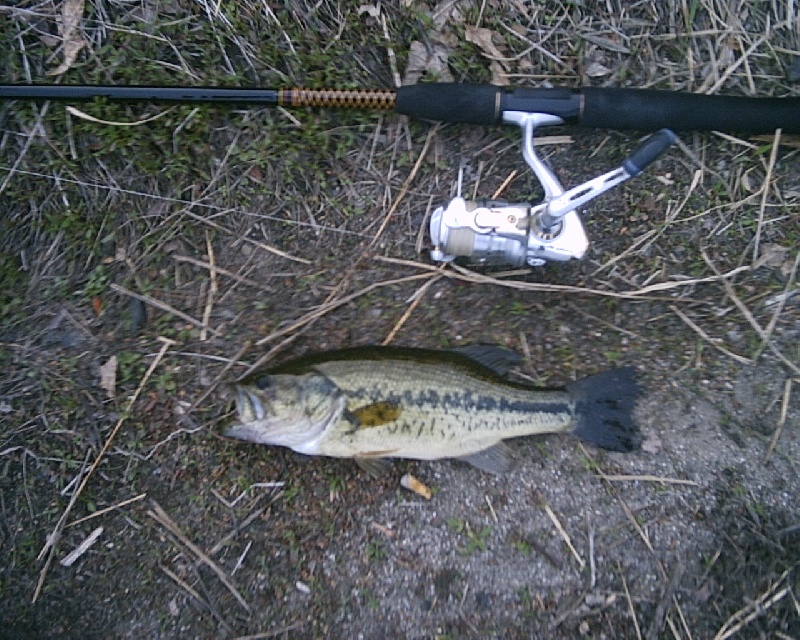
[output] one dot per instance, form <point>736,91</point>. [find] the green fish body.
<point>388,402</point>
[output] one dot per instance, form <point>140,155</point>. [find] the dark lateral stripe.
<point>466,401</point>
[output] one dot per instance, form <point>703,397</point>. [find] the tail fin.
<point>604,411</point>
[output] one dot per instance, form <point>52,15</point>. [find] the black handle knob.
<point>649,151</point>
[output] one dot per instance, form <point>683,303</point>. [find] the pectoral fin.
<point>496,459</point>
<point>375,414</point>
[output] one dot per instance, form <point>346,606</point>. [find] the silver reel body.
<point>517,234</point>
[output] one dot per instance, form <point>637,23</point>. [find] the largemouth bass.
<point>371,403</point>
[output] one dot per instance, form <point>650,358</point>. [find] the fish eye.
<point>263,382</point>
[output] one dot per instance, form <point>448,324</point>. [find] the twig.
<point>215,383</point>
<point>113,507</point>
<point>657,625</point>
<point>82,548</point>
<point>592,561</point>
<point>602,322</point>
<point>203,602</point>
<point>504,184</point>
<point>750,319</point>
<point>255,485</point>
<point>773,156</point>
<point>255,513</point>
<point>646,478</point>
<point>781,303</point>
<point>406,185</point>
<point>212,289</point>
<point>787,393</point>
<point>240,561</point>
<point>627,510</point>
<point>255,243</point>
<point>271,634</point>
<point>564,535</point>
<point>491,508</point>
<point>183,585</point>
<point>630,602</point>
<point>416,299</point>
<point>707,338</point>
<point>327,307</point>
<point>754,609</point>
<point>159,305</point>
<point>390,51</point>
<point>53,538</point>
<point>224,272</point>
<point>457,272</point>
<point>159,515</point>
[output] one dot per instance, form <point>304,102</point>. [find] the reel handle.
<point>649,151</point>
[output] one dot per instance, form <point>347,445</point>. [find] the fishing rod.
<point>486,231</point>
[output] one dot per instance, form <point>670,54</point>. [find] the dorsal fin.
<point>497,359</point>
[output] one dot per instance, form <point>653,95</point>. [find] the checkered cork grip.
<point>337,98</point>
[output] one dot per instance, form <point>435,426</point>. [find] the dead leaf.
<point>69,30</point>
<point>432,61</point>
<point>372,10</point>
<point>773,255</point>
<point>108,377</point>
<point>652,443</point>
<point>597,70</point>
<point>482,37</point>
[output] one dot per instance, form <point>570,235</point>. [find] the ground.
<point>152,254</point>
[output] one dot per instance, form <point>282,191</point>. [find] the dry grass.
<point>197,244</point>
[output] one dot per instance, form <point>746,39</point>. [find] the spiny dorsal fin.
<point>496,359</point>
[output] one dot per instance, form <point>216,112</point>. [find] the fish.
<point>377,403</point>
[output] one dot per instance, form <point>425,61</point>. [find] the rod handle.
<point>653,109</point>
<point>484,103</point>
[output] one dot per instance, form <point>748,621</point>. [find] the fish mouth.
<point>249,405</point>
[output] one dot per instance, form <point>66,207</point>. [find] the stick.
<point>212,289</point>
<point>53,538</point>
<point>787,392</point>
<point>646,478</point>
<point>630,602</point>
<point>749,317</point>
<point>160,305</point>
<point>773,156</point>
<point>657,625</point>
<point>754,609</point>
<point>417,298</point>
<point>82,548</point>
<point>707,338</point>
<point>564,535</point>
<point>107,509</point>
<point>159,515</point>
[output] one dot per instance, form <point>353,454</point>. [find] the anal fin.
<point>376,467</point>
<point>496,459</point>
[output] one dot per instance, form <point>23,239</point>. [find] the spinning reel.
<point>516,234</point>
